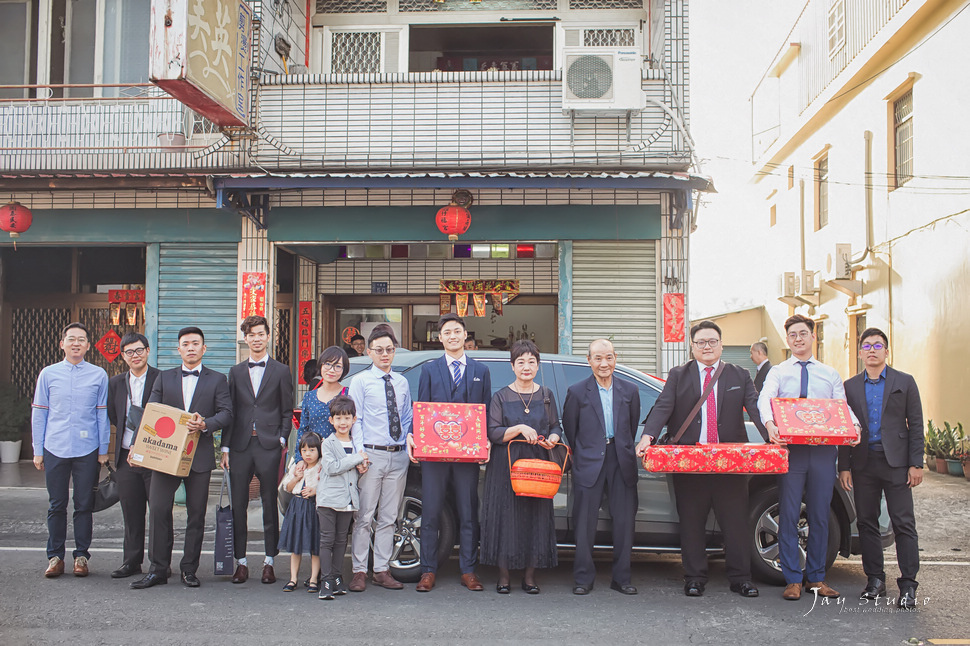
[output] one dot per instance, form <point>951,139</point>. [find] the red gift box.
<point>445,432</point>
<point>716,458</point>
<point>813,421</point>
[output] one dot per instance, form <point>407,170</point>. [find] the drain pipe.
<point>868,194</point>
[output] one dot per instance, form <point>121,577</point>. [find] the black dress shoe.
<point>874,588</point>
<point>582,589</point>
<point>152,579</point>
<point>125,571</point>
<point>907,598</point>
<point>625,589</point>
<point>530,589</point>
<point>745,589</point>
<point>503,588</point>
<point>190,580</point>
<point>694,589</point>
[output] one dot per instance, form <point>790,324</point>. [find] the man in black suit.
<point>194,388</point>
<point>720,419</point>
<point>262,413</point>
<point>599,420</point>
<point>131,388</point>
<point>888,459</point>
<point>759,356</point>
<point>454,377</point>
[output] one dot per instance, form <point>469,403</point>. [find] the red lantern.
<point>15,218</point>
<point>453,221</point>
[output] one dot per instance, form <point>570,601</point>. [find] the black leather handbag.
<point>106,492</point>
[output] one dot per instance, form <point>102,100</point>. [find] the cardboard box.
<point>716,458</point>
<point>813,421</point>
<point>163,442</point>
<point>445,432</point>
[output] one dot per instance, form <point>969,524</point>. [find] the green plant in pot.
<point>932,445</point>
<point>954,461</point>
<point>14,414</point>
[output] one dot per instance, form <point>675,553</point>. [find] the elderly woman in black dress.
<point>518,533</point>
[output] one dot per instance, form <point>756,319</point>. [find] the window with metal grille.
<point>355,52</point>
<point>821,192</point>
<point>606,4</point>
<point>608,38</point>
<point>351,6</point>
<point>903,138</point>
<point>836,27</point>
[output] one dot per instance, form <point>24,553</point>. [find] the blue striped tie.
<point>456,368</point>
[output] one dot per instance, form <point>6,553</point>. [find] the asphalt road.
<point>99,610</point>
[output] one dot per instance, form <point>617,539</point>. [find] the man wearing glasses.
<point>71,434</point>
<point>127,391</point>
<point>383,400</point>
<point>811,469</point>
<point>888,459</point>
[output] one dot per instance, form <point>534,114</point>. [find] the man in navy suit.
<point>194,388</point>
<point>458,378</point>
<point>599,419</point>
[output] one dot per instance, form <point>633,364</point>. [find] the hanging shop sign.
<point>253,293</point>
<point>304,336</point>
<point>126,295</point>
<point>674,325</point>
<point>109,345</point>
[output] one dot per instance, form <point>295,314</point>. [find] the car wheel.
<point>405,563</point>
<point>763,523</point>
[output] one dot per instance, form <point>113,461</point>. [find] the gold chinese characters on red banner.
<point>304,336</point>
<point>674,325</point>
<point>499,291</point>
<point>253,293</point>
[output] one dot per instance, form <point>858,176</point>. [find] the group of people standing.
<point>349,471</point>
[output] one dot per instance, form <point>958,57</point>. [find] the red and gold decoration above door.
<point>253,293</point>
<point>109,345</point>
<point>674,325</point>
<point>499,292</point>
<point>128,301</point>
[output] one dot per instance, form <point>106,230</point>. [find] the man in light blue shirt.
<point>384,412</point>
<point>71,434</point>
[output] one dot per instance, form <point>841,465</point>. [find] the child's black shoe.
<point>339,585</point>
<point>327,589</point>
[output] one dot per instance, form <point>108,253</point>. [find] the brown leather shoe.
<point>269,576</point>
<point>241,575</point>
<point>81,566</point>
<point>793,592</point>
<point>55,568</point>
<point>426,582</point>
<point>472,582</point>
<point>823,589</point>
<point>358,583</point>
<point>385,580</point>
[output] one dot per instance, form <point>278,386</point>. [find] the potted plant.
<point>944,447</point>
<point>14,413</point>
<point>932,445</point>
<point>954,461</point>
<point>963,454</point>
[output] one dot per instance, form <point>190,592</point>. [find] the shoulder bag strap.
<point>697,406</point>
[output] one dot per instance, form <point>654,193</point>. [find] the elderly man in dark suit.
<point>262,411</point>
<point>599,420</point>
<point>194,388</point>
<point>888,460</point>
<point>759,357</point>
<point>719,419</point>
<point>454,377</point>
<point>131,389</point>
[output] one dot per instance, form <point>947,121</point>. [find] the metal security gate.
<point>614,293</point>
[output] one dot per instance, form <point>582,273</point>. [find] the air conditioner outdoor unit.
<point>602,81</point>
<point>808,286</point>
<point>789,285</point>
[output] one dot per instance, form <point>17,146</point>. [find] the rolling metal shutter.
<point>739,355</point>
<point>197,286</point>
<point>615,294</point>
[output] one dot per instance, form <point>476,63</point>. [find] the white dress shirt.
<point>451,366</point>
<point>136,388</point>
<point>785,380</point>
<point>256,373</point>
<point>702,369</point>
<point>188,385</point>
<point>369,395</point>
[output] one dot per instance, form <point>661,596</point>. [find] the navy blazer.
<point>211,400</point>
<point>118,403</point>
<point>436,383</point>
<point>901,423</point>
<point>735,393</point>
<point>584,426</point>
<point>270,411</point>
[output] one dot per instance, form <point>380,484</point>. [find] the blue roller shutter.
<point>197,286</point>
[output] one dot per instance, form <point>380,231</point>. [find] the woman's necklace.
<point>524,404</point>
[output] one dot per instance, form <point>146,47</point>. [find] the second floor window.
<point>903,138</point>
<point>821,192</point>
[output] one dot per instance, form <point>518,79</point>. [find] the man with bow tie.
<point>194,388</point>
<point>262,403</point>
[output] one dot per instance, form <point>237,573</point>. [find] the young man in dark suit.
<point>599,420</point>
<point>720,419</point>
<point>888,460</point>
<point>262,413</point>
<point>454,377</point>
<point>194,388</point>
<point>759,357</point>
<point>131,388</point>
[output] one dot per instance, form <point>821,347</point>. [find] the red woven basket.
<point>536,478</point>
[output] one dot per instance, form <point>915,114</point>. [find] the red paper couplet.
<point>674,326</point>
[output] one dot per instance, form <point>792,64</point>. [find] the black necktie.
<point>258,364</point>
<point>803,393</point>
<point>393,415</point>
<point>190,373</point>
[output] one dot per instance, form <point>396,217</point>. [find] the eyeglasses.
<point>336,366</point>
<point>134,352</point>
<point>76,339</point>
<point>706,343</point>
<point>804,334</point>
<point>873,346</point>
<point>387,350</point>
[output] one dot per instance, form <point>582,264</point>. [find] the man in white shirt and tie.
<point>811,469</point>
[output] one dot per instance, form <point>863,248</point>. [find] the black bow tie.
<point>190,373</point>
<point>257,364</point>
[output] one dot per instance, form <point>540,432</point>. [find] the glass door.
<point>354,321</point>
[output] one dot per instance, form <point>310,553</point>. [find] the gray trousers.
<point>334,528</point>
<point>381,493</point>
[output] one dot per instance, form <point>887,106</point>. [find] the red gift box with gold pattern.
<point>445,432</point>
<point>716,458</point>
<point>813,421</point>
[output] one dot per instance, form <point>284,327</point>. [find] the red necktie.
<point>711,409</point>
